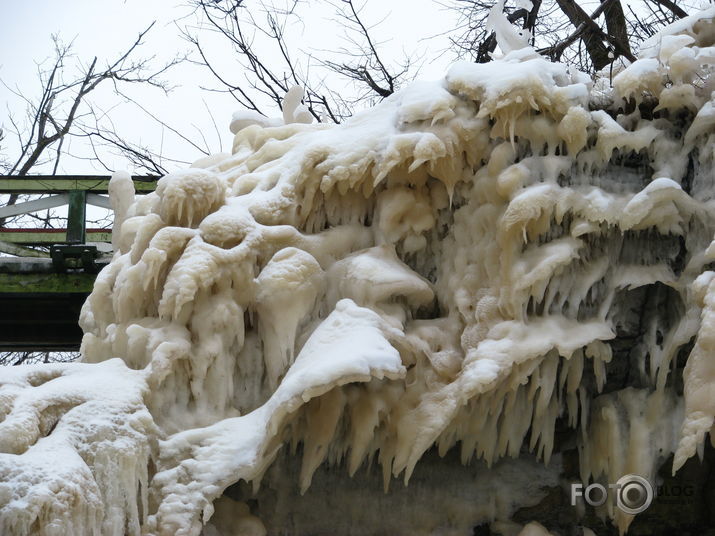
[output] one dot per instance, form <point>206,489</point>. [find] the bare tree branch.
<point>673,7</point>
<point>56,115</point>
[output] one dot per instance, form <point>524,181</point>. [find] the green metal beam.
<point>47,236</point>
<point>66,183</point>
<point>76,213</point>
<point>46,283</point>
<point>28,207</point>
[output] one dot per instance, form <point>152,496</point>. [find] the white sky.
<point>106,28</point>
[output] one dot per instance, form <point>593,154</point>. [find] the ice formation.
<point>471,264</point>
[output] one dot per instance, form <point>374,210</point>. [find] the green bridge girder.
<point>46,184</point>
<point>46,237</point>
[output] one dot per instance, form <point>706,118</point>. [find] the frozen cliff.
<point>506,267</point>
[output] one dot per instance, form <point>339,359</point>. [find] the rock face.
<point>509,268</point>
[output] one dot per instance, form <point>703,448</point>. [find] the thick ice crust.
<point>453,267</point>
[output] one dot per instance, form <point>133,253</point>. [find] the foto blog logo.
<point>633,494</point>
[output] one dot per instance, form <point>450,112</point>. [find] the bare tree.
<point>242,27</point>
<point>364,63</point>
<point>565,31</point>
<point>63,111</point>
<point>59,113</point>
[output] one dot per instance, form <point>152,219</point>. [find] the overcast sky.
<point>106,28</point>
